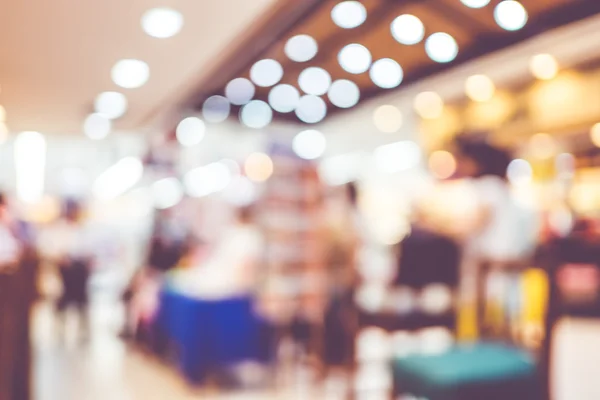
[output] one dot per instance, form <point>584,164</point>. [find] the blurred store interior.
<point>278,199</point>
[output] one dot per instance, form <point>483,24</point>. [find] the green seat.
<point>469,372</point>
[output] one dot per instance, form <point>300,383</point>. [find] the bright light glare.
<point>396,157</point>
<point>97,126</point>
<point>355,58</point>
<point>266,73</point>
<point>30,165</point>
<point>309,144</point>
<point>239,91</point>
<point>258,167</point>
<point>480,88</point>
<point>311,109</point>
<point>162,22</point>
<point>429,105</point>
<point>388,119</point>
<point>167,193</point>
<point>314,80</point>
<point>216,109</point>
<point>475,3</point>
<point>543,66</point>
<point>190,131</point>
<point>339,170</point>
<point>442,164</point>
<point>130,74</point>
<point>349,14</point>
<point>519,172</point>
<point>119,178</point>
<point>207,180</point>
<point>386,73</point>
<point>112,105</point>
<point>344,93</point>
<point>510,15</point>
<point>301,48</point>
<point>441,47</point>
<point>257,114</point>
<point>284,98</point>
<point>408,29</point>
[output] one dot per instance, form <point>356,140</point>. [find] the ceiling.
<point>57,55</point>
<point>475,31</point>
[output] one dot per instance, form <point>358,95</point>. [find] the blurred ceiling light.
<point>162,22</point>
<point>309,144</point>
<point>3,132</point>
<point>480,88</point>
<point>314,80</point>
<point>301,48</point>
<point>349,14</point>
<point>30,165</point>
<point>266,73</point>
<point>510,15</point>
<point>206,180</point>
<point>429,105</point>
<point>355,58</point>
<point>166,193</point>
<point>386,73</point>
<point>258,167</point>
<point>441,47</point>
<point>344,93</point>
<point>396,157</point>
<point>97,126</point>
<point>112,105</point>
<point>130,73</point>
<point>190,131</point>
<point>442,164</point>
<point>408,29</point>
<point>257,114</point>
<point>595,134</point>
<point>118,178</point>
<point>2,114</point>
<point>519,172</point>
<point>543,66</point>
<point>543,146</point>
<point>240,91</point>
<point>311,109</point>
<point>387,119</point>
<point>216,109</point>
<point>475,3</point>
<point>240,192</point>
<point>284,98</point>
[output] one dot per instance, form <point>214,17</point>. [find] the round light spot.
<point>167,193</point>
<point>111,104</point>
<point>387,119</point>
<point>284,98</point>
<point>309,145</point>
<point>595,134</point>
<point>190,131</point>
<point>311,109</point>
<point>543,146</point>
<point>206,180</point>
<point>355,58</point>
<point>162,22</point>
<point>442,164</point>
<point>301,48</point>
<point>344,93</point>
<point>3,132</point>
<point>386,73</point>
<point>441,47</point>
<point>543,66</point>
<point>258,167</point>
<point>429,105</point>
<point>97,126</point>
<point>519,172</point>
<point>480,88</point>
<point>257,114</point>
<point>396,157</point>
<point>349,14</point>
<point>266,73</point>
<point>314,80</point>
<point>408,29</point>
<point>216,109</point>
<point>130,73</point>
<point>475,3</point>
<point>510,15</point>
<point>240,192</point>
<point>239,91</point>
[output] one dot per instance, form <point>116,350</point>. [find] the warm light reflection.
<point>429,105</point>
<point>258,167</point>
<point>442,164</point>
<point>388,119</point>
<point>520,172</point>
<point>543,66</point>
<point>542,146</point>
<point>480,88</point>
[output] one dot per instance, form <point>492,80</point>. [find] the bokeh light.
<point>162,22</point>
<point>397,157</point>
<point>206,180</point>
<point>595,134</point>
<point>519,172</point>
<point>284,98</point>
<point>429,105</point>
<point>349,14</point>
<point>111,104</point>
<point>167,193</point>
<point>130,73</point>
<point>301,48</point>
<point>441,47</point>
<point>407,29</point>
<point>257,114</point>
<point>266,73</point>
<point>387,118</point>
<point>480,88</point>
<point>344,93</point>
<point>97,126</point>
<point>543,66</point>
<point>239,91</point>
<point>442,164</point>
<point>475,3</point>
<point>386,73</point>
<point>510,15</point>
<point>311,109</point>
<point>309,144</point>
<point>190,131</point>
<point>355,58</point>
<point>258,167</point>
<point>216,109</point>
<point>543,146</point>
<point>314,80</point>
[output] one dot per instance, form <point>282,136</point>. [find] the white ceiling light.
<point>284,98</point>
<point>309,145</point>
<point>386,73</point>
<point>30,165</point>
<point>130,73</point>
<point>266,73</point>
<point>441,47</point>
<point>311,109</point>
<point>510,15</point>
<point>349,14</point>
<point>190,131</point>
<point>239,91</point>
<point>167,193</point>
<point>216,109</point>
<point>388,119</point>
<point>314,80</point>
<point>257,114</point>
<point>344,93</point>
<point>118,178</point>
<point>162,22</point>
<point>301,48</point>
<point>429,105</point>
<point>396,157</point>
<point>97,126</point>
<point>355,58</point>
<point>479,88</point>
<point>519,172</point>
<point>112,105</point>
<point>408,29</point>
<point>206,180</point>
<point>475,3</point>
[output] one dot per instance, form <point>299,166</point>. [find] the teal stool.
<point>469,372</point>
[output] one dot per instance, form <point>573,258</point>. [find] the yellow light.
<point>480,88</point>
<point>542,146</point>
<point>3,132</point>
<point>258,167</point>
<point>429,105</point>
<point>595,134</point>
<point>543,66</point>
<point>2,114</point>
<point>388,119</point>
<point>442,164</point>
